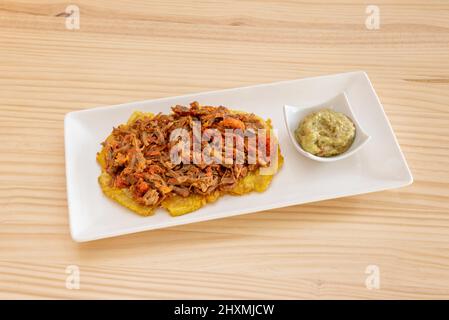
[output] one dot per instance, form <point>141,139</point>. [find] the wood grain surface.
<point>134,50</point>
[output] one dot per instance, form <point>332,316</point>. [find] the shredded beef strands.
<point>138,155</point>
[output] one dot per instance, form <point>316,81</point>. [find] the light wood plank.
<point>134,50</point>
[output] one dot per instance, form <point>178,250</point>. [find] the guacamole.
<point>325,133</point>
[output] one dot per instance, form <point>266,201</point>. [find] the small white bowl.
<point>293,115</point>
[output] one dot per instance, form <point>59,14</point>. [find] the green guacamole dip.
<point>325,133</point>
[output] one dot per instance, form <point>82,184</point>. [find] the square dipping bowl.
<point>294,114</point>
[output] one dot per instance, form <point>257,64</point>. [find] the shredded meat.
<point>138,155</point>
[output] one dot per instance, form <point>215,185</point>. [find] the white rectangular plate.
<point>380,165</point>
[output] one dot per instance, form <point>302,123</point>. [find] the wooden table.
<point>134,50</point>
